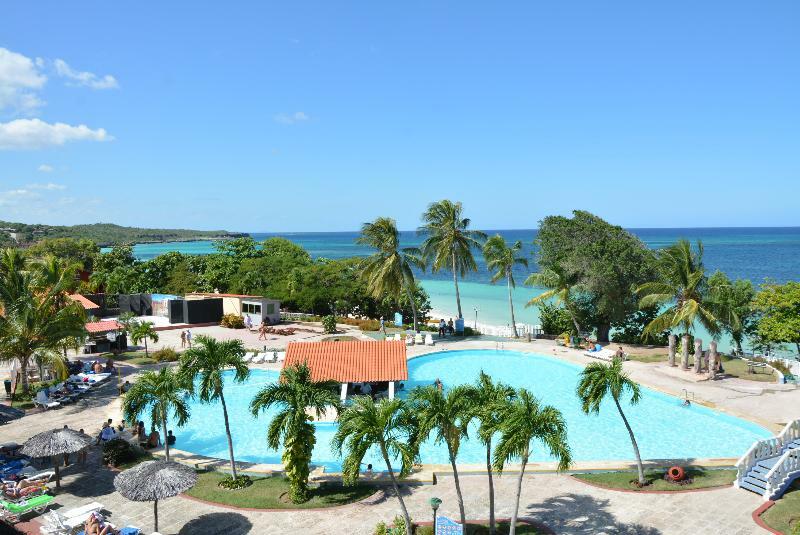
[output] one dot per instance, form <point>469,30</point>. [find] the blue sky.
<point>321,115</point>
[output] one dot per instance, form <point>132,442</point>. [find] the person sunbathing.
<point>22,488</point>
<point>95,525</point>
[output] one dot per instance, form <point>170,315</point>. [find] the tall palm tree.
<point>161,393</point>
<point>143,331</point>
<point>560,286</point>
<point>389,272</point>
<point>501,259</point>
<point>386,424</point>
<point>207,360</point>
<point>525,420</point>
<point>599,380</point>
<point>489,401</point>
<point>680,291</point>
<point>731,303</point>
<point>447,416</point>
<point>295,393</point>
<point>31,323</point>
<point>449,242</point>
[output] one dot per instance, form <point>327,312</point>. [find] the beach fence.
<point>523,329</point>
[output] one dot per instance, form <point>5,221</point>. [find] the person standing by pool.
<point>450,328</point>
<point>442,328</point>
<point>183,339</point>
<point>383,327</point>
<point>189,338</point>
<point>248,322</point>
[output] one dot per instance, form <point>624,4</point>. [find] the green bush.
<point>118,451</point>
<point>555,320</point>
<point>398,527</point>
<point>329,324</point>
<point>165,354</point>
<point>232,321</point>
<point>235,483</point>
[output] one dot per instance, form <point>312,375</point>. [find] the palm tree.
<point>489,400</point>
<point>143,331</point>
<point>599,380</point>
<point>208,359</point>
<point>501,259</point>
<point>449,242</point>
<point>386,424</point>
<point>295,393</point>
<point>389,271</point>
<point>680,291</point>
<point>32,323</point>
<point>731,303</point>
<point>560,286</point>
<point>160,393</point>
<point>525,420</point>
<point>448,416</point>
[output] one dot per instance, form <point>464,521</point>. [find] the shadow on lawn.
<point>579,513</point>
<point>215,523</point>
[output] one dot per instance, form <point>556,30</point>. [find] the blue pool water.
<point>663,426</point>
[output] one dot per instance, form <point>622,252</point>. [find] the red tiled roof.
<point>351,361</point>
<point>87,303</point>
<point>102,326</point>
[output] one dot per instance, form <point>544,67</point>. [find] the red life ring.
<point>676,473</point>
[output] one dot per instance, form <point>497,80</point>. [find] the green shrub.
<point>329,324</point>
<point>555,320</point>
<point>118,451</point>
<point>232,321</point>
<point>235,483</point>
<point>398,527</point>
<point>165,354</point>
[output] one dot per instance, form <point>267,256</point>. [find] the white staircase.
<point>772,464</point>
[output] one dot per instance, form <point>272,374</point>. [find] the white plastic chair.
<point>429,340</point>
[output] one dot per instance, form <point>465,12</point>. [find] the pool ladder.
<point>499,346</point>
<point>686,395</point>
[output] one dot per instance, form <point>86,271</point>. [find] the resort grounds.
<point>559,501</point>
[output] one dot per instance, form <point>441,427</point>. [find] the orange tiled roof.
<point>102,326</point>
<point>351,361</point>
<point>87,303</point>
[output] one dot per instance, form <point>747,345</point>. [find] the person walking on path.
<point>189,338</point>
<point>183,339</point>
<point>383,327</point>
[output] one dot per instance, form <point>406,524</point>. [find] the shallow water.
<point>663,426</point>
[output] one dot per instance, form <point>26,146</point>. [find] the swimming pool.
<point>664,427</point>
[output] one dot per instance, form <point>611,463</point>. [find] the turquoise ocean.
<point>758,254</point>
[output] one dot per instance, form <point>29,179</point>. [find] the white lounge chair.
<point>45,402</point>
<point>280,356</point>
<point>397,337</point>
<point>429,340</point>
<point>247,357</point>
<point>603,354</point>
<point>418,339</point>
<point>258,359</point>
<point>64,523</point>
<point>273,357</point>
<point>409,339</point>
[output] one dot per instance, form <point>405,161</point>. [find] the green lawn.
<point>785,514</point>
<point>271,493</point>
<point>649,359</point>
<point>131,357</point>
<point>343,338</point>
<point>738,368</point>
<point>703,478</point>
<point>481,529</point>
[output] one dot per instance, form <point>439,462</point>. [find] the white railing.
<point>763,449</point>
<point>782,474</point>
<point>766,448</point>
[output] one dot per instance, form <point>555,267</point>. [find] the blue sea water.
<point>657,420</point>
<point>758,254</point>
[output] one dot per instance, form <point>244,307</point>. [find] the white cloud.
<point>36,134</point>
<point>20,79</point>
<point>49,186</point>
<point>84,78</point>
<point>291,118</point>
<point>44,168</point>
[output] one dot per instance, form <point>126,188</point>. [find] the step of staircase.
<point>744,484</point>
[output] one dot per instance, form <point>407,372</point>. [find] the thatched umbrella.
<point>151,481</point>
<point>56,443</point>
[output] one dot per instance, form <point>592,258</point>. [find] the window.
<point>270,308</point>
<point>251,308</point>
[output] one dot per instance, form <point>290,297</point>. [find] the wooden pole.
<point>673,341</point>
